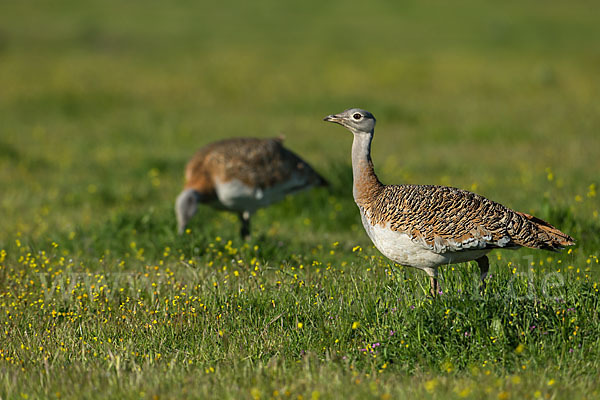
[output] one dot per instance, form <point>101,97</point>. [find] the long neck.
<point>366,185</point>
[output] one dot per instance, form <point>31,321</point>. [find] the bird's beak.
<point>333,118</point>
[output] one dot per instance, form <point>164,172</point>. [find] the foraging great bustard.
<point>428,226</point>
<point>242,175</point>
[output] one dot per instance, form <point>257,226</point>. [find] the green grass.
<point>102,103</point>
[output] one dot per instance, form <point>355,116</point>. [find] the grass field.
<point>102,103</point>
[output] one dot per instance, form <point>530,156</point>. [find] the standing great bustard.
<point>425,226</point>
<point>242,175</point>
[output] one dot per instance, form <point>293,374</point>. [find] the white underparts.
<point>404,250</point>
<point>237,196</point>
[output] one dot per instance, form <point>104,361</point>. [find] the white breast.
<point>404,250</point>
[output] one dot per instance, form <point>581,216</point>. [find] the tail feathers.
<point>322,182</point>
<point>549,237</point>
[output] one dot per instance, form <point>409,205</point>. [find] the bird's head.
<point>186,206</point>
<point>354,119</point>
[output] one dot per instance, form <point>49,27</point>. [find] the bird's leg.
<point>245,219</point>
<point>484,266</point>
<point>435,285</point>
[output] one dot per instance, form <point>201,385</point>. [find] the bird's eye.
<point>357,116</point>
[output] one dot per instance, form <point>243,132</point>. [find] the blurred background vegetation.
<point>103,102</point>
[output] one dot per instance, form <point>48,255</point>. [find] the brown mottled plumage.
<point>447,218</point>
<point>256,162</point>
<point>242,175</point>
<point>425,226</point>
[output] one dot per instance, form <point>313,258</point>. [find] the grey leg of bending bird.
<point>245,219</point>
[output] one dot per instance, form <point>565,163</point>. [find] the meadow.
<point>103,102</point>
